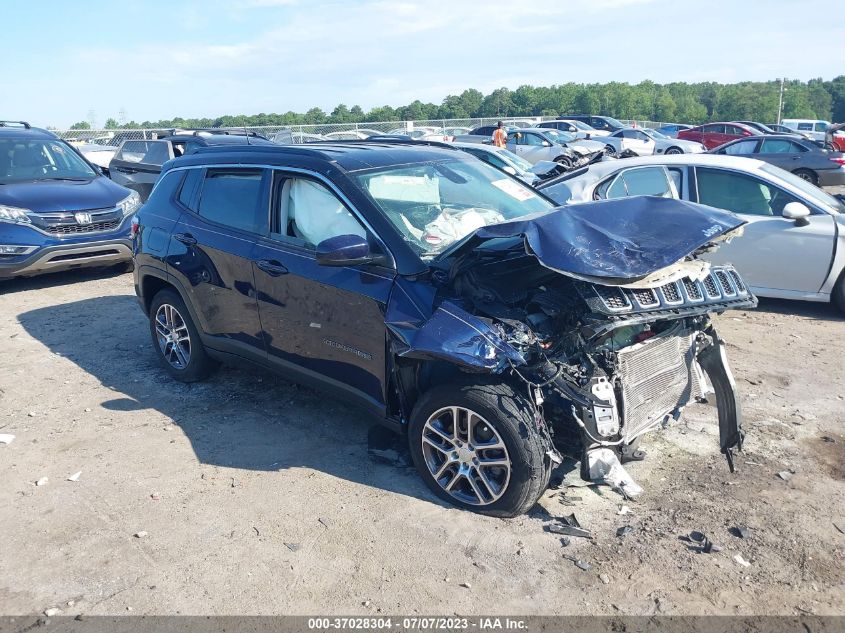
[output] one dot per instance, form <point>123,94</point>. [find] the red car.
<point>714,134</point>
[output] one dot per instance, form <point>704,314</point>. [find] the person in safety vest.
<point>500,136</point>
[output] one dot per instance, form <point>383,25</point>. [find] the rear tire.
<point>452,464</point>
<point>673,150</point>
<point>176,339</point>
<point>806,174</point>
<point>610,150</point>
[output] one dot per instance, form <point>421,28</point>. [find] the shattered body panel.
<point>609,360</point>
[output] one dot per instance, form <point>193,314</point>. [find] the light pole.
<point>780,100</point>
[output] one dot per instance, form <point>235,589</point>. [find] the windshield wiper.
<point>63,178</point>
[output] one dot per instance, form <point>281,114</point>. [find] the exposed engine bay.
<point>609,362</point>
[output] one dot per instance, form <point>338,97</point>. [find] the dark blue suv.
<point>57,211</point>
<point>452,301</point>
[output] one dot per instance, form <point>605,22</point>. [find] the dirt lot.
<point>258,496</point>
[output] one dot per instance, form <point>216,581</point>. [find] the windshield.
<point>560,137</point>
<point>654,133</point>
<point>614,122</point>
<point>816,195</point>
<point>583,126</point>
<point>434,205</point>
<point>26,160</point>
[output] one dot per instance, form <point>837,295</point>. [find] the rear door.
<point>781,152</point>
<point>774,253</point>
<point>326,323</point>
<point>211,252</point>
<point>137,164</point>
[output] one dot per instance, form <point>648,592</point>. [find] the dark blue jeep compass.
<point>57,211</point>
<point>455,303</point>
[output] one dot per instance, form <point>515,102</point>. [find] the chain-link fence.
<point>321,131</point>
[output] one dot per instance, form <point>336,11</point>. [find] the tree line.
<point>646,101</point>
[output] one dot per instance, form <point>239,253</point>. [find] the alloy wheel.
<point>174,339</point>
<point>466,456</point>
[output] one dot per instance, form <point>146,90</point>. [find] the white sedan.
<point>793,246</point>
<point>645,142</point>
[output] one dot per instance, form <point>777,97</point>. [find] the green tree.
<point>81,125</point>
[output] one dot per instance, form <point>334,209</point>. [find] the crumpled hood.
<point>585,146</point>
<point>625,238</point>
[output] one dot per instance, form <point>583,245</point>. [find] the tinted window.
<point>741,148</point>
<point>148,152</point>
<point>740,193</point>
<point>805,126</point>
<point>713,129</point>
<point>732,129</point>
<point>192,180</point>
<point>821,127</point>
<point>779,146</point>
<point>234,198</point>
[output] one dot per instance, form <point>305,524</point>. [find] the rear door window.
<point>807,127</point>
<point>780,146</point>
<point>145,152</point>
<point>235,198</point>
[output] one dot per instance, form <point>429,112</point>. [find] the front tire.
<point>610,150</point>
<point>806,174</point>
<point>564,162</point>
<point>477,447</point>
<point>838,295</point>
<point>176,339</point>
<point>673,150</point>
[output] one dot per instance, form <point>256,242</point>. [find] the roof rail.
<point>389,139</point>
<point>23,124</point>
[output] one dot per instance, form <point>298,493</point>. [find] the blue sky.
<point>160,59</point>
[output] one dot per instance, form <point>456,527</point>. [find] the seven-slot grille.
<point>72,229</point>
<point>722,283</point>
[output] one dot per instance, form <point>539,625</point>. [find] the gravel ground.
<point>249,495</point>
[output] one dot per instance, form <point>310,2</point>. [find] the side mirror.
<point>344,250</point>
<point>796,211</point>
<point>510,170</point>
<point>546,144</point>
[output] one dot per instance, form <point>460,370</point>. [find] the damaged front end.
<point>607,352</point>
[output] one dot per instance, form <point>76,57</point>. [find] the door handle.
<point>124,170</point>
<point>271,267</point>
<point>185,238</point>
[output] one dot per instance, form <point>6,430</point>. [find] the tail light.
<point>840,160</point>
<point>135,226</point>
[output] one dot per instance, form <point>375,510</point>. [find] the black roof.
<point>348,155</point>
<point>22,129</point>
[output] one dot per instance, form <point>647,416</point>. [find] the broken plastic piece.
<point>6,438</point>
<point>625,530</point>
<point>569,526</point>
<point>582,564</point>
<point>604,466</point>
<point>785,475</point>
<point>75,476</point>
<point>739,559</point>
<point>741,531</point>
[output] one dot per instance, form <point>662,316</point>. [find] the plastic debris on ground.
<point>785,475</point>
<point>739,559</point>
<point>604,467</point>
<point>42,482</point>
<point>623,510</point>
<point>6,438</point>
<point>568,526</point>
<point>625,530</point>
<point>741,531</point>
<point>75,476</point>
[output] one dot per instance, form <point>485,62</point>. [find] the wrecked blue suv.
<point>57,211</point>
<point>452,301</point>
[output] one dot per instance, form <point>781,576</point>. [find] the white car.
<point>578,128</point>
<point>99,155</point>
<point>645,142</point>
<point>793,246</point>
